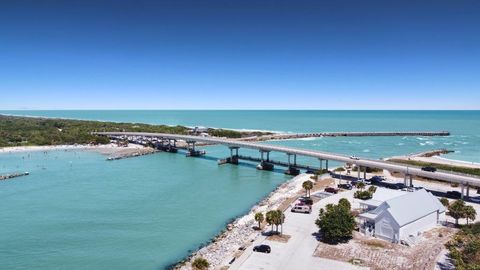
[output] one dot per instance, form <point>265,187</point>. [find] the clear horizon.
<point>240,55</point>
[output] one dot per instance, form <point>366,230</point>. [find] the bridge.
<point>235,145</point>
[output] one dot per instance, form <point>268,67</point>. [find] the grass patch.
<point>444,167</point>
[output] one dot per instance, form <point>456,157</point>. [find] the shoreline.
<point>111,151</point>
<point>224,247</point>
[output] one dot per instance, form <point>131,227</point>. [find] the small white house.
<point>403,218</point>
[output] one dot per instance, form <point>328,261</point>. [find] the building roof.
<point>408,207</point>
<point>381,195</point>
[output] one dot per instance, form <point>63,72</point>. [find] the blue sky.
<point>239,54</point>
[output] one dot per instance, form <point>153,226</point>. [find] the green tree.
<point>445,202</point>
<point>259,218</point>
<point>457,210</point>
<point>345,203</point>
<point>307,185</point>
<point>336,223</point>
<point>200,264</point>
<point>360,185</point>
<point>372,189</point>
<point>470,213</point>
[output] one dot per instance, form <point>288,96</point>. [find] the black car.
<point>262,248</point>
<point>377,179</point>
<point>454,194</point>
<point>429,169</point>
<point>395,185</point>
<point>306,200</point>
<point>345,186</point>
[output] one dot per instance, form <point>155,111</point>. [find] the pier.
<point>265,149</point>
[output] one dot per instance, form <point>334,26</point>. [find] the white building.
<point>404,217</point>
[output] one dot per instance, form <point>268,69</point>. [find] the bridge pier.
<point>233,157</point>
<point>462,185</point>
<point>265,164</point>
<point>191,152</point>
<point>292,169</point>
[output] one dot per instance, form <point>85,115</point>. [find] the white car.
<point>354,157</point>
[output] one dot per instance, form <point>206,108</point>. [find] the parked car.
<point>345,186</point>
<point>354,157</point>
<point>429,169</point>
<point>302,208</point>
<point>454,194</point>
<point>395,185</point>
<point>306,200</point>
<point>331,190</point>
<point>262,248</point>
<point>376,179</point>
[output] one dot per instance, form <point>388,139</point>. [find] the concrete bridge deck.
<point>363,162</point>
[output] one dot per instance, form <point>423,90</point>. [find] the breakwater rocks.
<point>128,153</point>
<point>343,134</point>
<point>13,175</point>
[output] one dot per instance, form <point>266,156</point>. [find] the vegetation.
<point>445,202</point>
<point>224,133</point>
<point>360,185</point>
<point>339,169</point>
<point>363,194</point>
<point>275,217</point>
<point>465,248</point>
<point>459,209</point>
<point>336,222</point>
<point>20,131</point>
<point>307,185</point>
<point>200,264</point>
<point>345,203</point>
<point>369,170</point>
<point>372,189</point>
<point>445,167</point>
<point>24,131</point>
<point>259,218</point>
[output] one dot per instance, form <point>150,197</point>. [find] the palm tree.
<point>279,219</point>
<point>259,218</point>
<point>200,264</point>
<point>360,185</point>
<point>470,213</point>
<point>270,218</point>
<point>307,185</point>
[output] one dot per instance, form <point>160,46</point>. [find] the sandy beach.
<point>111,150</point>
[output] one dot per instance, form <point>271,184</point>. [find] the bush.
<point>465,248</point>
<point>200,264</point>
<point>362,195</point>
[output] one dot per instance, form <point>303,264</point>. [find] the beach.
<point>111,150</point>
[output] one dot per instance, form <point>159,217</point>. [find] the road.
<point>364,162</point>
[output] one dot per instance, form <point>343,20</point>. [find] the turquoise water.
<point>78,211</point>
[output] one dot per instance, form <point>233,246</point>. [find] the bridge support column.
<point>463,188</point>
<point>468,191</point>
<point>326,165</point>
<point>191,152</point>
<point>365,173</point>
<point>292,170</point>
<point>233,157</point>
<point>321,164</point>
<point>359,169</point>
<point>411,181</point>
<point>265,164</point>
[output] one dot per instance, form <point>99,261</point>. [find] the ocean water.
<point>78,211</point>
